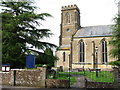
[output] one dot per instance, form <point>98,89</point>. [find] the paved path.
<point>80,81</point>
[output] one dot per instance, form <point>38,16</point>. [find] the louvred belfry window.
<point>67,18</point>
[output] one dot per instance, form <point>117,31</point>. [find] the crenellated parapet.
<point>70,7</point>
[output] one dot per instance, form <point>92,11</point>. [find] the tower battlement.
<point>70,7</point>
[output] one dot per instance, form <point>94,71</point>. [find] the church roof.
<point>94,31</point>
<point>64,46</point>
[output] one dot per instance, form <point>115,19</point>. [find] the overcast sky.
<point>93,12</point>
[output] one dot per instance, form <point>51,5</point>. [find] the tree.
<point>47,58</point>
<point>50,57</point>
<point>20,33</point>
<point>115,42</point>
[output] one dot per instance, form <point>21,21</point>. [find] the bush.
<point>115,63</point>
<point>38,65</point>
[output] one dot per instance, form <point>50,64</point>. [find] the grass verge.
<point>64,76</point>
<point>103,76</point>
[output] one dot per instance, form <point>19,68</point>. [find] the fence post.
<point>45,75</point>
<point>85,83</point>
<point>116,77</point>
<point>14,77</point>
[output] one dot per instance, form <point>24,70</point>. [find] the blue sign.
<point>30,61</point>
<point>5,64</point>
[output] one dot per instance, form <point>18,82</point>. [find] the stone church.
<point>82,46</point>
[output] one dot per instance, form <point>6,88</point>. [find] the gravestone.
<point>30,61</point>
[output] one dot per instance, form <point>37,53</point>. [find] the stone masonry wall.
<point>5,78</point>
<point>99,85</point>
<point>117,77</point>
<point>33,78</point>
<point>54,83</point>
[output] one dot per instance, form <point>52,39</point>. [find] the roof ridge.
<point>98,25</point>
<point>98,30</point>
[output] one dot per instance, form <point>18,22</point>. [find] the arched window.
<point>67,18</point>
<point>82,52</point>
<point>64,56</point>
<point>104,51</point>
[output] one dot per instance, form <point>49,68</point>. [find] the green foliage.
<point>115,63</point>
<point>66,77</point>
<point>47,58</point>
<point>103,76</point>
<point>115,42</point>
<point>63,76</point>
<point>38,65</point>
<point>20,33</point>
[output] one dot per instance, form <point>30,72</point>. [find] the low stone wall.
<point>116,77</point>
<point>5,78</point>
<point>33,78</point>
<point>99,85</point>
<point>55,83</point>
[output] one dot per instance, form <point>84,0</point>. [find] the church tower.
<point>70,22</point>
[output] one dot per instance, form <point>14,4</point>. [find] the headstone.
<point>30,61</point>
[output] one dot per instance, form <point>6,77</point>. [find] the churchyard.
<point>103,76</point>
<point>19,68</point>
<point>44,77</point>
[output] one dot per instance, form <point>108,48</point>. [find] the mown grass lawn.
<point>103,76</point>
<point>64,76</point>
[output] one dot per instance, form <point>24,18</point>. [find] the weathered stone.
<point>54,83</point>
<point>33,78</point>
<point>71,34</point>
<point>116,77</point>
<point>99,85</point>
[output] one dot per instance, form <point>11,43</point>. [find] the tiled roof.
<point>94,31</point>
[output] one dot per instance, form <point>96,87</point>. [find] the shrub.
<point>115,63</point>
<point>38,65</point>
